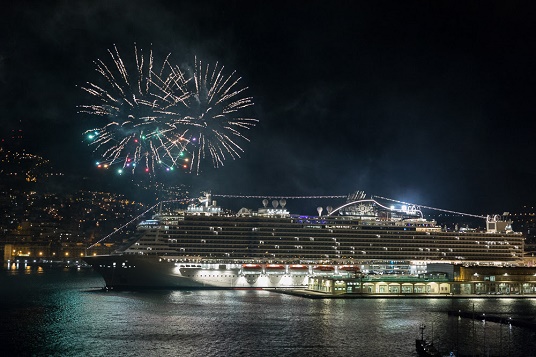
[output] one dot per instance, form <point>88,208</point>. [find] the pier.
<point>526,322</point>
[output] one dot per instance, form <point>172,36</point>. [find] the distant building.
<point>525,222</point>
<point>35,252</point>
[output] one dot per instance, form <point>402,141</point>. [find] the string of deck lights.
<point>432,208</point>
<point>276,197</point>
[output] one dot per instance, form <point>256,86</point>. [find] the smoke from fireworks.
<point>158,117</point>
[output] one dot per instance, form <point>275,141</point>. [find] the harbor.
<point>58,302</point>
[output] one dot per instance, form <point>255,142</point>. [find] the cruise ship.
<point>203,246</point>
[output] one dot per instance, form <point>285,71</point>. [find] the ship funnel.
<point>319,210</point>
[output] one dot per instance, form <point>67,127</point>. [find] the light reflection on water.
<point>55,312</point>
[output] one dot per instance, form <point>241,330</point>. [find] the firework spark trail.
<point>158,115</point>
<point>128,100</point>
<point>206,103</point>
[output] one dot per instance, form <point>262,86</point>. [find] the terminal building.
<point>448,279</point>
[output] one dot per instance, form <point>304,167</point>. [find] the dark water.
<point>63,313</point>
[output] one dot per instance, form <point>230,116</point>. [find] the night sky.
<point>431,102</point>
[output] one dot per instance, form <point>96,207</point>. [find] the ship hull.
<point>153,272</point>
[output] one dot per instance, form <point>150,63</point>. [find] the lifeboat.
<point>275,267</point>
<point>298,267</point>
<point>251,267</point>
<point>349,268</point>
<point>324,268</point>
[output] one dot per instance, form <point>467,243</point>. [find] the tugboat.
<point>425,348</point>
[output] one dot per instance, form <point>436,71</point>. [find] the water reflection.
<point>64,313</point>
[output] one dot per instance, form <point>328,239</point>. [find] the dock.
<point>314,294</point>
<point>526,322</point>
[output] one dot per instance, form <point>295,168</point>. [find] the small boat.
<point>425,348</point>
<point>275,267</point>
<point>252,267</point>
<point>326,268</point>
<point>350,268</point>
<point>299,267</point>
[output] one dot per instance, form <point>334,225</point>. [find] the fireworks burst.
<point>161,116</point>
<point>137,133</point>
<point>207,104</point>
